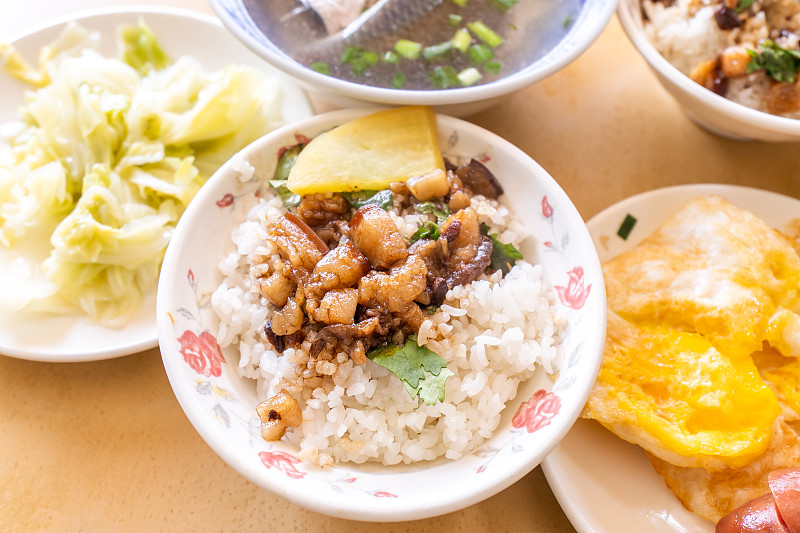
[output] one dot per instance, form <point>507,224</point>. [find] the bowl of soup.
<point>457,58</point>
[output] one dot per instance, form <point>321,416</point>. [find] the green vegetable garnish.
<point>440,213</point>
<point>461,40</point>
<point>436,50</point>
<point>321,67</point>
<point>777,62</point>
<point>398,80</point>
<point>627,226</point>
<point>493,67</point>
<point>469,76</point>
<point>278,181</point>
<point>568,21</point>
<point>503,5</point>
<point>485,33</point>
<point>384,199</point>
<point>454,19</point>
<point>428,230</point>
<point>422,371</point>
<point>390,57</point>
<point>443,77</point>
<point>288,198</point>
<point>142,50</point>
<point>503,255</point>
<point>359,59</point>
<point>286,162</point>
<point>743,4</point>
<point>459,3</point>
<point>479,54</point>
<point>408,49</point>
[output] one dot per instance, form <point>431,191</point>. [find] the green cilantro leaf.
<point>384,199</point>
<point>428,230</point>
<point>777,62</point>
<point>431,389</point>
<point>441,213</point>
<point>288,198</point>
<point>422,371</point>
<point>743,4</point>
<point>503,255</point>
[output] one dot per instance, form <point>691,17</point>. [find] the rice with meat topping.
<point>712,41</point>
<point>493,333</point>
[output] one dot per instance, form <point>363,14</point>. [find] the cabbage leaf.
<point>103,160</point>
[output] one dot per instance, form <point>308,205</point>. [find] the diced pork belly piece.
<point>374,233</point>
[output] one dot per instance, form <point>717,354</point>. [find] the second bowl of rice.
<point>689,34</point>
<point>523,347</point>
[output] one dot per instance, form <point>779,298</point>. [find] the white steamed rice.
<point>493,334</point>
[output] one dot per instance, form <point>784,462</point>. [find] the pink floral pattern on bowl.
<point>221,404</point>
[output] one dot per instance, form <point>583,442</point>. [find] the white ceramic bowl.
<point>711,111</point>
<point>221,405</point>
<point>586,26</point>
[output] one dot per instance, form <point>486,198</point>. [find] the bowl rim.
<point>437,97</point>
<point>121,9</point>
<point>635,32</point>
<point>493,482</point>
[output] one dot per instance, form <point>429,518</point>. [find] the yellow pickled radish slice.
<point>369,152</point>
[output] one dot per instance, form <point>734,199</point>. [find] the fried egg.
<point>687,309</point>
<point>712,495</point>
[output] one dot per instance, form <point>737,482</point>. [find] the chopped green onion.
<point>568,21</point>
<point>350,54</point>
<point>436,50</point>
<point>443,77</point>
<point>485,33</point>
<point>398,80</point>
<point>743,4</point>
<point>493,67</point>
<point>460,3</point>
<point>627,226</point>
<point>461,40</point>
<point>479,53</point>
<point>503,5</point>
<point>359,59</point>
<point>390,57</point>
<point>321,67</point>
<point>469,76</point>
<point>408,49</point>
<point>454,20</point>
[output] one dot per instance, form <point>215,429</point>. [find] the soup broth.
<point>529,30</point>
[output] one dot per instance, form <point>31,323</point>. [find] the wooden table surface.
<point>104,446</point>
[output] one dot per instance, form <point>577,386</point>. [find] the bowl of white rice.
<point>523,347</point>
<point>679,39</point>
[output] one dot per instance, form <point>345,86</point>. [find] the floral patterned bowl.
<point>221,405</point>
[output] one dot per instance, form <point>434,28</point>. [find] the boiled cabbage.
<point>104,159</point>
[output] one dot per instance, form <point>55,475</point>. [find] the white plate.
<point>181,32</point>
<point>604,484</point>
